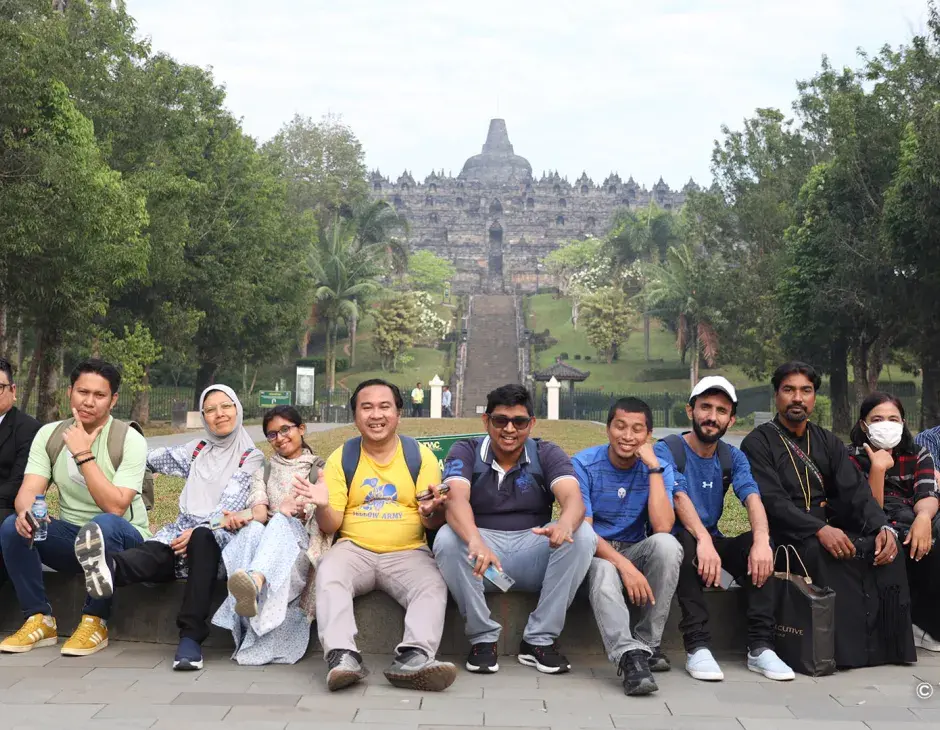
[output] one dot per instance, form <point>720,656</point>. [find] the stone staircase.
<point>492,350</point>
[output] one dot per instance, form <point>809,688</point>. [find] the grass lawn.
<point>631,372</point>
<point>572,436</point>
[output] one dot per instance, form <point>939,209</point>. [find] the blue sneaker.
<point>188,656</point>
<point>770,665</point>
<point>702,665</point>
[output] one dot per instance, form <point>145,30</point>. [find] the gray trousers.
<point>408,576</point>
<point>658,558</point>
<point>528,559</point>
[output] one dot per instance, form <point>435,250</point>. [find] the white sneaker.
<point>702,665</point>
<point>770,665</point>
<point>924,640</point>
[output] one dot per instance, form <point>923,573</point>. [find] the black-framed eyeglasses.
<point>282,431</point>
<point>4,387</point>
<point>520,422</point>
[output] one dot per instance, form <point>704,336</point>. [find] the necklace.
<point>805,488</point>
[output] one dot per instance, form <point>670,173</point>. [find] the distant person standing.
<point>417,400</point>
<point>446,399</point>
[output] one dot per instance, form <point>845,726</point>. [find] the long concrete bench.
<point>148,614</point>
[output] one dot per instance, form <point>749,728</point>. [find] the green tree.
<point>134,353</point>
<point>682,289</point>
<point>345,273</point>
<point>609,318</point>
<point>429,272</point>
<point>396,326</point>
<point>325,164</point>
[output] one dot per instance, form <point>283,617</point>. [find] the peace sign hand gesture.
<point>77,439</point>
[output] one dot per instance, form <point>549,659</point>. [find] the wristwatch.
<point>657,470</point>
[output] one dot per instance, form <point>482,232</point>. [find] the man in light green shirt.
<point>90,489</point>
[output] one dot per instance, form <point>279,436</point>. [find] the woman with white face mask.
<point>902,480</point>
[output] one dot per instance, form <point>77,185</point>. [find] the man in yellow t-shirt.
<point>382,545</point>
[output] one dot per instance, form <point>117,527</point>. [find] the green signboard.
<point>440,445</point>
<point>270,398</point>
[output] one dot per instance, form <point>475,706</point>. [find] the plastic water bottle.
<point>40,512</point>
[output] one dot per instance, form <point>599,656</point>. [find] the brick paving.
<point>131,685</point>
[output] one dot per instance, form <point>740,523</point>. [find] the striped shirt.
<point>906,483</point>
<point>930,440</point>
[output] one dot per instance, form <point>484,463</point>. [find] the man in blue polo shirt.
<point>499,512</point>
<point>627,494</point>
<point>705,466</point>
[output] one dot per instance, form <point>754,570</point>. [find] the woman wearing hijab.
<point>217,469</point>
<point>270,561</point>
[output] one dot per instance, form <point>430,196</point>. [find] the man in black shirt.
<point>817,501</point>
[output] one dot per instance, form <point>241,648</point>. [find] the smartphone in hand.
<point>217,522</point>
<point>33,526</point>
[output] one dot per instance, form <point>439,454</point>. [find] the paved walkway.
<point>132,686</point>
<point>174,439</point>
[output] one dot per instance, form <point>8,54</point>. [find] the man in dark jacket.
<point>16,435</point>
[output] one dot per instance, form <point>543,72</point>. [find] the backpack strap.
<point>199,447</point>
<point>534,467</point>
<point>56,443</point>
<point>241,461</point>
<point>412,451</point>
<point>726,461</point>
<point>350,461</point>
<point>677,449</point>
<point>116,437</point>
<point>267,472</point>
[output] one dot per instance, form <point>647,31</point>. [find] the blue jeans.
<point>57,551</point>
<point>527,558</point>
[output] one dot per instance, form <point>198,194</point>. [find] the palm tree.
<point>375,224</point>
<point>678,289</point>
<point>346,273</point>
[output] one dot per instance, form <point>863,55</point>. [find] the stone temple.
<point>495,221</point>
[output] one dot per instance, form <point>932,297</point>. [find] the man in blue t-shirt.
<point>705,469</point>
<point>628,491</point>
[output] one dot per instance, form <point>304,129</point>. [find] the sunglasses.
<point>282,431</point>
<point>520,422</point>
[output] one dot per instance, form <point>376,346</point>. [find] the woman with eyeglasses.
<point>270,561</point>
<point>217,468</point>
<point>902,480</point>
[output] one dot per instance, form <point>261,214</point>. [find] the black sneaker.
<point>482,659</point>
<point>345,668</point>
<point>635,669</point>
<point>546,659</point>
<point>659,662</point>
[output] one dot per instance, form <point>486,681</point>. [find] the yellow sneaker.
<point>38,630</point>
<point>90,636</point>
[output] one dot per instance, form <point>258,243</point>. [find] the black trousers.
<point>733,552</point>
<point>924,580</point>
<point>154,562</point>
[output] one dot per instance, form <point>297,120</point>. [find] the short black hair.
<point>289,414</point>
<point>795,367</point>
<point>6,367</point>
<point>714,391</point>
<point>631,405</point>
<point>859,438</point>
<point>509,395</point>
<point>98,367</point>
<point>396,393</point>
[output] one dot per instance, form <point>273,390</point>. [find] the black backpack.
<point>676,446</point>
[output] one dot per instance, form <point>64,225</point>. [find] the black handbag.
<point>805,616</point>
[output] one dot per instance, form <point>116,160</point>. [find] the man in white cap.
<point>704,468</point>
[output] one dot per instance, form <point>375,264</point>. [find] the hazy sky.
<point>641,88</point>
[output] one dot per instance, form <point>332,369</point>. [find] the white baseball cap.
<point>714,382</point>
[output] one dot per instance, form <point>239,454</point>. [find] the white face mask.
<point>885,434</point>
